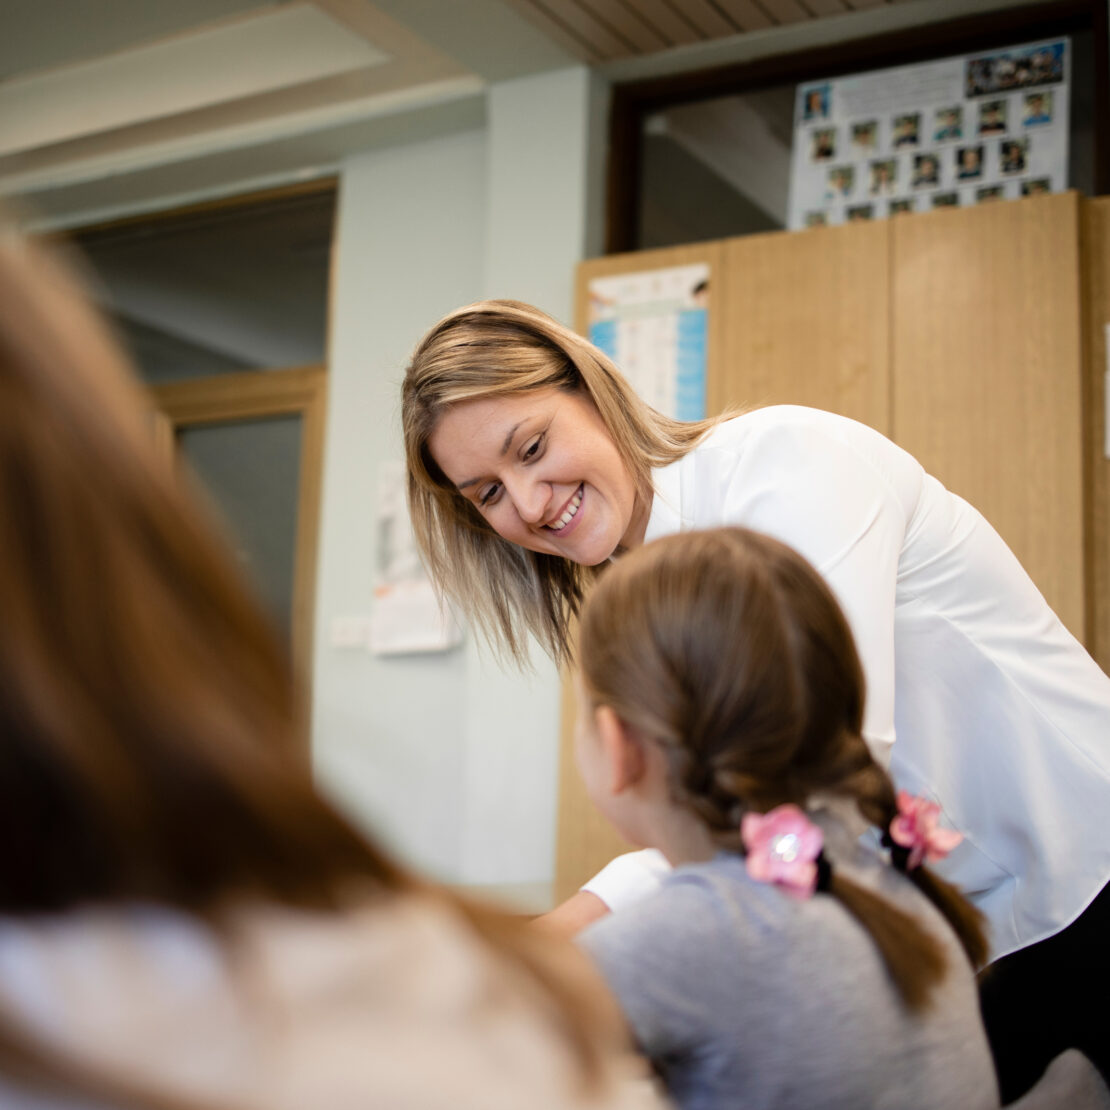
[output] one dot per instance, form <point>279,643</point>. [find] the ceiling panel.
<point>826,7</point>
<point>669,22</point>
<point>605,30</point>
<point>746,15</point>
<point>628,23</point>
<point>707,18</point>
<point>785,11</point>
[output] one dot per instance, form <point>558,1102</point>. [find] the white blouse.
<point>977,695</point>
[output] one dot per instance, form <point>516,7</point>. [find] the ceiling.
<point>605,30</point>
<point>50,34</point>
<point>105,101</point>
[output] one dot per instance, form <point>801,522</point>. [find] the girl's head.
<point>725,652</point>
<point>529,460</point>
<point>728,650</point>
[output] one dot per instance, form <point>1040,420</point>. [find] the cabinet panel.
<point>807,322</point>
<point>586,840</point>
<point>987,374</point>
<point>1096,271</point>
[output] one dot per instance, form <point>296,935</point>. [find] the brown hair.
<point>499,348</point>
<point>729,650</point>
<point>151,742</point>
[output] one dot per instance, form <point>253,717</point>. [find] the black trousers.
<point>1048,997</point>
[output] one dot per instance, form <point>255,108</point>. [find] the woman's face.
<point>543,470</point>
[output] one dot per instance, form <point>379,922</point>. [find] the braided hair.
<point>728,649</point>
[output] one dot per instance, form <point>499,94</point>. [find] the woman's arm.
<point>619,883</point>
<point>572,916</point>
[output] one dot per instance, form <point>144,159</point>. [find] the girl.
<point>781,964</point>
<point>184,922</point>
<point>532,463</point>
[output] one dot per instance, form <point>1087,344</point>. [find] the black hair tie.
<point>824,873</point>
<point>899,856</point>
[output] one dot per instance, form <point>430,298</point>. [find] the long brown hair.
<point>151,739</point>
<point>500,348</point>
<point>728,649</point>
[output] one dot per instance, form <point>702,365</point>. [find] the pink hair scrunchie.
<point>782,847</point>
<point>915,828</point>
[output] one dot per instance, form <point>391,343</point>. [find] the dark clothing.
<point>1048,997</point>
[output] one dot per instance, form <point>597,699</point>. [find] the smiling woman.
<point>547,475</point>
<point>532,462</point>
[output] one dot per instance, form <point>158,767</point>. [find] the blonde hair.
<point>728,649</point>
<point>501,348</point>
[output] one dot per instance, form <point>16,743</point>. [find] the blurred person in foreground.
<point>185,922</point>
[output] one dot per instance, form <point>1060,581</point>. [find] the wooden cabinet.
<point>1095,278</point>
<point>987,375</point>
<point>975,338</point>
<point>806,322</point>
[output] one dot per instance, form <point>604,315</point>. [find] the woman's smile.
<point>567,519</point>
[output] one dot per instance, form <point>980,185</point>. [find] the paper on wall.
<point>654,326</point>
<point>407,614</point>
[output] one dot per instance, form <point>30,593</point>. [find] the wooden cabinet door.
<point>807,322</point>
<point>1095,224</point>
<point>987,374</point>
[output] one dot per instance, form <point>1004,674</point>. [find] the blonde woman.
<point>532,464</point>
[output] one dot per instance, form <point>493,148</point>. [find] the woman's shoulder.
<point>783,444</point>
<point>787,420</point>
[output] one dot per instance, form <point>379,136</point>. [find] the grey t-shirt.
<point>744,997</point>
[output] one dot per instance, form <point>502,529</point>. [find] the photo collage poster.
<point>654,326</point>
<point>950,133</point>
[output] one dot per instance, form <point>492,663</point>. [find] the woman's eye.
<point>488,495</point>
<point>533,449</point>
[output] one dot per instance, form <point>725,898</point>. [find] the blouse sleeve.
<point>835,502</point>
<point>629,878</point>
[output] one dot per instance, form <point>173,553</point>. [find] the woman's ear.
<point>622,750</point>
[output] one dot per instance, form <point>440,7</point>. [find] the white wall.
<point>409,247</point>
<point>452,760</point>
<point>544,180</point>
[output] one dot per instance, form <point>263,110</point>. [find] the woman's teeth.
<point>572,508</point>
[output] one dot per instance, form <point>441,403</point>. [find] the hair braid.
<point>730,652</point>
<point>876,800</point>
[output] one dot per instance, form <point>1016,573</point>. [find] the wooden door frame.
<point>255,394</point>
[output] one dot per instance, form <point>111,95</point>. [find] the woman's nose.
<point>530,496</point>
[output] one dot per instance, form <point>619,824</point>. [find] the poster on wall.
<point>408,615</point>
<point>654,326</point>
<point>950,133</point>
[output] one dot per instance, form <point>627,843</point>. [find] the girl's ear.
<point>622,750</point>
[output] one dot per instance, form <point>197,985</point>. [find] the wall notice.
<point>950,133</point>
<point>654,326</point>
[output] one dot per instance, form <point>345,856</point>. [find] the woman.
<point>184,921</point>
<point>532,462</point>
